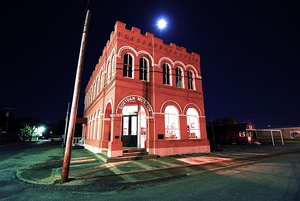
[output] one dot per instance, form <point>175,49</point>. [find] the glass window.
<point>172,123</point>
<point>166,74</point>
<point>178,77</point>
<point>127,65</point>
<point>102,76</point>
<point>108,70</point>
<point>113,63</point>
<point>143,69</point>
<point>193,127</point>
<point>130,109</point>
<point>190,76</point>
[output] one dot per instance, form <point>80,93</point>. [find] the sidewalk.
<point>87,169</point>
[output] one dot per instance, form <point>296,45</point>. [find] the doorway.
<point>129,130</point>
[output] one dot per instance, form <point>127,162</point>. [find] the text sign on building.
<point>295,134</point>
<point>129,99</point>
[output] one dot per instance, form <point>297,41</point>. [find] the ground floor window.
<point>193,127</point>
<point>172,123</point>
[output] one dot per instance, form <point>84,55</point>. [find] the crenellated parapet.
<point>149,41</point>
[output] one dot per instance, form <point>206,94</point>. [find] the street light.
<point>41,129</point>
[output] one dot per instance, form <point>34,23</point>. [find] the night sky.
<point>250,53</point>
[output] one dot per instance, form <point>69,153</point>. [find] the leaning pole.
<point>75,100</point>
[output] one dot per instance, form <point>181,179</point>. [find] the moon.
<point>161,23</point>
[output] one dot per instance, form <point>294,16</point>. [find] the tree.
<point>28,131</point>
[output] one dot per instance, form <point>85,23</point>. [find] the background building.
<point>228,131</point>
<point>145,94</point>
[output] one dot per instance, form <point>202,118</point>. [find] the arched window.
<point>166,74</point>
<point>108,70</point>
<point>144,69</point>
<point>172,123</point>
<point>179,83</point>
<point>98,84</point>
<point>191,80</point>
<point>193,126</point>
<point>95,90</point>
<point>113,66</point>
<point>102,76</point>
<point>127,65</point>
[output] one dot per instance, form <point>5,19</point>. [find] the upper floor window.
<point>166,74</point>
<point>127,65</point>
<point>190,76</point>
<point>179,77</point>
<point>108,70</point>
<point>113,66</point>
<point>143,69</point>
<point>102,76</point>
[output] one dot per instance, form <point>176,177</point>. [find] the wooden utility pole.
<point>74,107</point>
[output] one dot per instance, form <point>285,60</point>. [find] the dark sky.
<point>249,53</point>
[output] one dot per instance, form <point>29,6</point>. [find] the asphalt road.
<point>271,178</point>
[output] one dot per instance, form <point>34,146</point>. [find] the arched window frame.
<point>172,128</point>
<point>113,66</point>
<point>166,74</point>
<point>179,77</point>
<point>191,80</point>
<point>94,90</point>
<point>144,69</point>
<point>128,68</point>
<point>193,124</point>
<point>98,84</point>
<point>108,70</point>
<point>102,79</point>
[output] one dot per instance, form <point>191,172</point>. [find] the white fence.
<point>78,141</point>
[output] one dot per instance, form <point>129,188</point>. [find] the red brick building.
<point>145,94</point>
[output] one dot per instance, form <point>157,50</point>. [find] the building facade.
<point>145,94</point>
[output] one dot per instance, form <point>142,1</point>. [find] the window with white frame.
<point>191,80</point>
<point>172,123</point>
<point>166,74</point>
<point>127,65</point>
<point>113,66</point>
<point>108,70</point>
<point>144,69</point>
<point>98,85</point>
<point>179,83</point>
<point>193,126</point>
<point>102,76</point>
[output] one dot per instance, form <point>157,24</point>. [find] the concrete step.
<point>128,155</point>
<point>82,160</point>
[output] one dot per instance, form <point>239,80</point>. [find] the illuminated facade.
<point>145,94</point>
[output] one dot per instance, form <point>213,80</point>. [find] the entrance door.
<point>129,128</point>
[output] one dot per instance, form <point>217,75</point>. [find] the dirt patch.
<point>42,170</point>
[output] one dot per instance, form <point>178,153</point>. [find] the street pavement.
<point>87,170</point>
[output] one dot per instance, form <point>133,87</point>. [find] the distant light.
<point>41,129</point>
<point>161,23</point>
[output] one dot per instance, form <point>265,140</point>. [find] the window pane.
<point>166,74</point>
<point>172,123</point>
<point>127,66</point>
<point>193,123</point>
<point>190,80</point>
<point>178,77</point>
<point>143,69</point>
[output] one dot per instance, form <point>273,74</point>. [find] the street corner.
<point>46,176</point>
<point>45,172</point>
